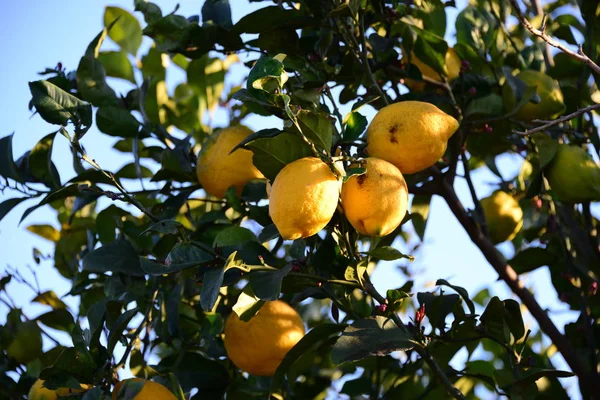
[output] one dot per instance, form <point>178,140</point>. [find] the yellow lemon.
<point>573,175</point>
<point>303,198</point>
<point>551,102</point>
<point>375,203</point>
<point>503,215</point>
<point>412,135</point>
<point>150,391</point>
<point>453,64</point>
<point>259,345</point>
<point>38,392</point>
<point>218,170</point>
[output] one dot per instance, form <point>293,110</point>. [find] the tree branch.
<point>548,124</point>
<point>579,55</point>
<point>508,275</point>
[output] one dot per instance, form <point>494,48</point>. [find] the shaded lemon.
<point>150,390</point>
<point>453,65</point>
<point>303,198</point>
<point>503,215</point>
<point>375,203</point>
<point>573,175</point>
<point>218,170</point>
<point>259,345</point>
<point>38,392</point>
<point>412,135</point>
<point>551,102</point>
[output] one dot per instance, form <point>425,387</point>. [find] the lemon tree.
<point>275,161</point>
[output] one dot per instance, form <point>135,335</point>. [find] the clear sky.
<point>37,34</point>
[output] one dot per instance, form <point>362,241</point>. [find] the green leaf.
<point>60,194</point>
<point>419,211</point>
<point>218,12</point>
<point>532,258</point>
<point>45,231</point>
<point>533,374</point>
<point>8,167</point>
<point>117,121</point>
<point>182,256</point>
<point>40,162</point>
<point>123,28</point>
<point>263,133</point>
<point>118,327</point>
<point>461,291</point>
<point>493,322</point>
<point>437,308</point>
<point>117,65</point>
<point>355,125</point>
<point>546,147</point>
<point>371,336</point>
<point>130,171</point>
<point>247,304</point>
<point>430,49</point>
<point>268,75</point>
<point>514,319</point>
<point>269,18</point>
<point>491,105</point>
<point>167,226</point>
<point>353,172</point>
<point>59,319</point>
<point>388,253</point>
<point>213,280</point>
<point>318,128</point>
<point>7,205</point>
<point>267,284</point>
<point>272,154</point>
<point>49,298</point>
<point>311,340</point>
<point>58,107</point>
<point>117,256</point>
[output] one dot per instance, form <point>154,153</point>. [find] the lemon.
<point>503,215</point>
<point>412,135</point>
<point>303,198</point>
<point>375,203</point>
<point>218,170</point>
<point>38,392</point>
<point>453,64</point>
<point>551,102</point>
<point>573,175</point>
<point>27,343</point>
<point>259,345</point>
<point>150,391</point>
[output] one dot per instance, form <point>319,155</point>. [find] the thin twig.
<point>476,202</point>
<point>538,10</point>
<point>548,124</point>
<point>579,55</point>
<point>365,61</point>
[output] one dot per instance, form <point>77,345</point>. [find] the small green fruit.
<point>551,102</point>
<point>573,175</point>
<point>503,215</point>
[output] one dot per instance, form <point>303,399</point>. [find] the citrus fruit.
<point>150,390</point>
<point>26,344</point>
<point>218,170</point>
<point>412,135</point>
<point>573,175</point>
<point>259,345</point>
<point>38,392</point>
<point>503,215</point>
<point>551,102</point>
<point>304,197</point>
<point>453,64</point>
<point>375,203</point>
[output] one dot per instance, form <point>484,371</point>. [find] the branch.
<point>476,202</point>
<point>508,275</point>
<point>548,124</point>
<point>365,61</point>
<point>579,55</point>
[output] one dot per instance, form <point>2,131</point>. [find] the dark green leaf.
<point>268,75</point>
<point>353,172</point>
<point>317,127</point>
<point>59,319</point>
<point>167,226</point>
<point>269,18</point>
<point>218,12</point>
<point>419,212</point>
<point>546,147</point>
<point>388,253</point>
<point>40,162</point>
<point>117,256</point>
<point>182,256</point>
<point>8,167</point>
<point>117,65</point>
<point>532,258</point>
<point>7,205</point>
<point>267,284</point>
<point>356,124</point>
<point>117,121</point>
<point>461,291</point>
<point>118,327</point>
<point>372,336</point>
<point>247,304</point>
<point>58,107</point>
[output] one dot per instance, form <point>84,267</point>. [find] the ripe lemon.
<point>259,345</point>
<point>375,203</point>
<point>412,135</point>
<point>573,175</point>
<point>551,102</point>
<point>453,64</point>
<point>150,391</point>
<point>26,344</point>
<point>38,392</point>
<point>503,215</point>
<point>303,198</point>
<point>218,170</point>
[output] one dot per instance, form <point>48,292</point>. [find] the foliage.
<point>156,281</point>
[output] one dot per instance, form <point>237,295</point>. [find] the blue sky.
<point>37,34</point>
